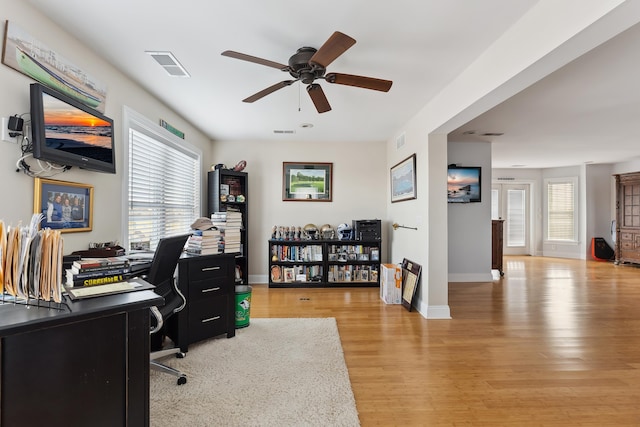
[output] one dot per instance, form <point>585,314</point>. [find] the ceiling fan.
<point>309,64</point>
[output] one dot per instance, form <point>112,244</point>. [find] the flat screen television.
<point>69,133</point>
<point>464,184</point>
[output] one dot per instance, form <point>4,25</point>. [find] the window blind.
<point>164,191</point>
<point>561,211</point>
<point>516,217</point>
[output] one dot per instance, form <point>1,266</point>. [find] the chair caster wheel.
<point>182,380</point>
<point>181,355</point>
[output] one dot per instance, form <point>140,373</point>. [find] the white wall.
<point>360,179</point>
<point>470,223</point>
<point>18,188</point>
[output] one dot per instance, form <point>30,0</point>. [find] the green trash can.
<point>243,305</point>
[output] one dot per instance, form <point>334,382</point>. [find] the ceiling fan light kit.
<point>308,65</point>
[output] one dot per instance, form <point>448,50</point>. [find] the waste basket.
<point>243,305</point>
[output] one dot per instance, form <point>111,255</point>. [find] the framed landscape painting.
<point>307,182</point>
<point>403,180</point>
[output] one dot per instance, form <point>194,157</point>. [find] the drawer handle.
<point>211,289</point>
<point>211,268</point>
<point>210,319</point>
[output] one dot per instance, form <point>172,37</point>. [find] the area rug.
<point>275,372</point>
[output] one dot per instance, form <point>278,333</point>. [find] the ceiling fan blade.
<point>359,81</point>
<point>335,46</point>
<point>255,59</point>
<point>267,91</point>
<point>318,97</point>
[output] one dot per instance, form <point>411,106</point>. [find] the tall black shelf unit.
<point>237,183</point>
<point>324,263</point>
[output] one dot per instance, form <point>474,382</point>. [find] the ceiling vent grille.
<point>284,131</point>
<point>169,63</point>
<point>505,179</point>
<point>400,141</point>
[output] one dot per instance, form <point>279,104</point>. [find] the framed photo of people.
<point>65,206</point>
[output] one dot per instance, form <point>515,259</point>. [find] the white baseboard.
<point>434,312</point>
<point>258,279</point>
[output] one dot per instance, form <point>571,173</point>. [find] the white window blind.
<point>561,215</point>
<point>516,217</point>
<point>163,190</point>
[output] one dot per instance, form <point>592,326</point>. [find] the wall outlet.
<point>4,134</point>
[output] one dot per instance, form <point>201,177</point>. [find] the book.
<point>70,273</point>
<point>84,263</point>
<point>94,281</point>
<point>103,269</point>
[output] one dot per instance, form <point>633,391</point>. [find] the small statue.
<point>298,233</point>
<point>281,233</point>
<point>274,232</point>
<point>287,233</point>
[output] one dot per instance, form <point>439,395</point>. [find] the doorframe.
<point>533,229</point>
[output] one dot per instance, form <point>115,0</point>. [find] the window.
<point>163,185</point>
<point>561,209</point>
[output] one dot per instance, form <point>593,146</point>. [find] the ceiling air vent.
<point>399,141</point>
<point>169,63</point>
<point>284,131</point>
<point>506,179</point>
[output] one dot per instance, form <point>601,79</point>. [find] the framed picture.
<point>403,180</point>
<point>65,206</point>
<point>307,182</point>
<point>289,274</point>
<point>410,279</point>
<point>464,184</point>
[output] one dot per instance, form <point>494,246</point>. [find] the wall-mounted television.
<point>463,184</point>
<point>69,133</point>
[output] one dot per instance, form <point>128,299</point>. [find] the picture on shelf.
<point>289,274</point>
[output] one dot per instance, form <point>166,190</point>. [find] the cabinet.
<point>207,283</point>
<point>627,247</point>
<point>324,263</point>
<point>497,245</point>
<point>228,191</point>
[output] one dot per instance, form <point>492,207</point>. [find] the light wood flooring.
<point>556,342</point>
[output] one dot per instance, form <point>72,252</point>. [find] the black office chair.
<point>161,275</point>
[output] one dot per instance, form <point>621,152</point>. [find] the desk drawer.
<point>207,268</point>
<point>207,318</point>
<point>211,288</point>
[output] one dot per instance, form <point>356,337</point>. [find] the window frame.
<point>562,180</point>
<point>133,120</point>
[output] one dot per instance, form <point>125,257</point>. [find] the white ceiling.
<point>420,45</point>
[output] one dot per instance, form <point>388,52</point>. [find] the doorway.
<point>511,202</point>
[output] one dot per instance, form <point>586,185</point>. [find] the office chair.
<point>161,275</point>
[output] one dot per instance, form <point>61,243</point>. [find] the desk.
<point>87,364</point>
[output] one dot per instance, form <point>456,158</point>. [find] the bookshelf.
<point>228,192</point>
<point>324,263</point>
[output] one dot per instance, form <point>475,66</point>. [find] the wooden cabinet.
<point>207,282</point>
<point>496,245</point>
<point>627,247</point>
<point>228,190</point>
<point>324,263</point>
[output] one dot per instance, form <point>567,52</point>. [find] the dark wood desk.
<point>87,364</point>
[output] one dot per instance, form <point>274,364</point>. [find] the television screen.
<point>69,133</point>
<point>463,184</point>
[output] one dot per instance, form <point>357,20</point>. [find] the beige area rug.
<point>275,372</point>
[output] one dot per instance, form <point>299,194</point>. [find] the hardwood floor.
<point>556,342</point>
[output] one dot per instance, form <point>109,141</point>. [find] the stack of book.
<point>98,271</point>
<point>205,242</point>
<point>230,224</point>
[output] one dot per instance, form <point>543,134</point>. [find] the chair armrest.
<point>159,320</point>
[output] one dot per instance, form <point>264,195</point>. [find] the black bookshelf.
<point>237,184</point>
<point>324,263</point>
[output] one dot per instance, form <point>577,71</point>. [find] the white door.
<point>511,203</point>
